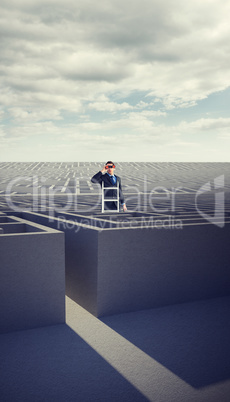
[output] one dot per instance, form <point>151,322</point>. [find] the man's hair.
<point>109,162</point>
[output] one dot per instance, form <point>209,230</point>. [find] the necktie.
<point>112,179</point>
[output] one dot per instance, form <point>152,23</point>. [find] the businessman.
<point>107,176</point>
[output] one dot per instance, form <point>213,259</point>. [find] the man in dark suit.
<point>107,176</point>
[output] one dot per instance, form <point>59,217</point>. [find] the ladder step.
<point>111,199</point>
<point>110,188</point>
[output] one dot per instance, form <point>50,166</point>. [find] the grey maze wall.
<point>115,270</point>
<point>32,276</point>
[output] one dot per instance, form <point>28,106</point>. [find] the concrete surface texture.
<point>32,276</point>
<point>115,270</point>
<point>173,354</point>
<point>176,353</point>
<point>143,268</point>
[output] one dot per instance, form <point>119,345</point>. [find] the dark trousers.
<point>110,205</point>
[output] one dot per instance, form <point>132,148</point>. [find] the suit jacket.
<point>105,178</point>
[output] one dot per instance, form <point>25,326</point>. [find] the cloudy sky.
<point>126,80</point>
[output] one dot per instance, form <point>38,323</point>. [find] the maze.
<point>148,187</point>
<point>170,247</point>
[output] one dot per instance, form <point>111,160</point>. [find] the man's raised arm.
<point>97,177</point>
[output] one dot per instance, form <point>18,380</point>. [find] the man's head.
<point>110,167</point>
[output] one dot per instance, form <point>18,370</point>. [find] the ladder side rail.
<point>103,199</point>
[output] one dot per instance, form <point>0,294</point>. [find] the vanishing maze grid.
<point>144,186</point>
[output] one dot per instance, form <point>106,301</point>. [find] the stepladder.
<point>109,199</point>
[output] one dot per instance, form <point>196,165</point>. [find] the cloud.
<point>176,52</point>
<point>126,65</point>
<point>206,124</point>
<point>21,116</point>
<point>131,138</point>
<point>2,134</point>
<point>103,103</point>
<point>91,65</point>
